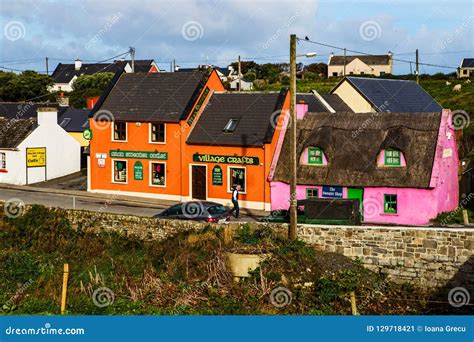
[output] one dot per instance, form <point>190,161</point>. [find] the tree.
<point>88,86</point>
<point>250,76</point>
<point>317,68</point>
<point>245,66</point>
<point>25,86</point>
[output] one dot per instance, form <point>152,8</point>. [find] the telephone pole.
<point>174,65</point>
<point>417,70</point>
<point>344,72</point>
<point>47,69</point>
<point>239,73</point>
<point>293,233</point>
<point>132,57</point>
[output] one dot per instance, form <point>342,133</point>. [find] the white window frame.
<point>151,173</point>
<point>3,161</point>
<point>113,171</point>
<point>113,132</point>
<point>229,181</point>
<point>150,125</point>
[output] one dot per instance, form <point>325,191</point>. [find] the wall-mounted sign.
<point>36,157</point>
<point>138,170</point>
<point>101,162</point>
<point>87,134</point>
<point>210,158</point>
<point>332,191</point>
<point>217,175</point>
<point>138,154</point>
<point>101,155</point>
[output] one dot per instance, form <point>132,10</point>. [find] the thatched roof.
<point>352,142</point>
<point>13,131</point>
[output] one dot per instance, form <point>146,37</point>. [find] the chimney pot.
<point>77,64</point>
<point>47,116</point>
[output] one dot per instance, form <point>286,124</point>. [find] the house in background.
<point>37,149</point>
<point>364,95</point>
<point>466,69</point>
<point>233,79</point>
<point>65,74</point>
<point>376,65</point>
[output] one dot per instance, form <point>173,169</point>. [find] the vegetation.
<point>185,274</point>
<point>27,86</point>
<point>89,86</point>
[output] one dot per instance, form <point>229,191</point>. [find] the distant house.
<point>376,65</point>
<point>466,69</point>
<point>36,149</point>
<point>365,95</point>
<point>233,79</point>
<point>65,74</point>
<point>223,73</point>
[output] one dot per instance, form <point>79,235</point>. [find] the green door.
<point>356,193</point>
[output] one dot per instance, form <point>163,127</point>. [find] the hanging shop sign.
<point>332,191</point>
<point>138,154</point>
<point>217,175</point>
<point>138,170</point>
<point>36,157</point>
<point>218,159</point>
<point>87,134</point>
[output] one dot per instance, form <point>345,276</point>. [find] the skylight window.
<point>231,126</point>
<point>65,122</point>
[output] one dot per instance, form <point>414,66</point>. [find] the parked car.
<point>197,211</point>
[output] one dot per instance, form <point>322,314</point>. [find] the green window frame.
<point>315,156</point>
<point>392,157</point>
<point>390,203</point>
<point>312,193</point>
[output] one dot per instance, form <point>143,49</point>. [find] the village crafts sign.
<point>211,158</point>
<point>139,154</point>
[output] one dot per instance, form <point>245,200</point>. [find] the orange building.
<point>179,136</point>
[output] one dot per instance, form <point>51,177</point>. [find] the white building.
<point>35,150</point>
<point>376,65</point>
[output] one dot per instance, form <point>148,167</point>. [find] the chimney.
<point>91,101</point>
<point>77,64</point>
<point>301,109</point>
<point>47,116</point>
<point>61,100</point>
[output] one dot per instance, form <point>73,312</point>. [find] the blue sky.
<point>193,32</point>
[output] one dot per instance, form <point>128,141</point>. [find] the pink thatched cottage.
<point>402,167</point>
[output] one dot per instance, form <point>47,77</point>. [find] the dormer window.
<point>231,126</point>
<point>392,157</point>
<point>315,156</point>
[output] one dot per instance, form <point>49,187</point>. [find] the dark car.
<point>197,211</point>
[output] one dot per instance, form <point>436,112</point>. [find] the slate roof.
<point>24,110</point>
<point>467,63</point>
<point>369,60</point>
<point>352,149</point>
<point>74,119</point>
<point>153,97</point>
<point>389,95</point>
<point>13,131</point>
<point>315,105</point>
<point>65,72</point>
<point>255,111</point>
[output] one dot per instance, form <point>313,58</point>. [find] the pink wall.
<point>301,109</point>
<point>415,206</point>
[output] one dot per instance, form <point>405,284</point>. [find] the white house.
<point>466,68</point>
<point>233,79</point>
<point>34,150</point>
<point>376,65</point>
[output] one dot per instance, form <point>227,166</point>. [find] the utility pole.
<point>292,233</point>
<point>47,69</point>
<point>132,56</point>
<point>344,72</point>
<point>174,65</point>
<point>239,73</point>
<point>417,69</point>
<point>171,66</point>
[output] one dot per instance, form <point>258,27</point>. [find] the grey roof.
<point>389,95</point>
<point>315,105</point>
<point>336,103</point>
<point>74,120</point>
<point>65,72</point>
<point>256,113</point>
<point>14,131</point>
<point>467,63</point>
<point>367,59</point>
<point>24,110</point>
<point>153,97</point>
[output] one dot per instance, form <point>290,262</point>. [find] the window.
<point>390,204</point>
<point>157,132</point>
<point>351,73</point>
<point>382,73</point>
<point>315,156</point>
<point>158,174</point>
<point>3,161</point>
<point>334,73</point>
<point>120,171</point>
<point>174,210</point>
<point>120,131</point>
<point>362,73</point>
<point>464,72</point>
<point>392,157</point>
<point>311,193</point>
<point>237,177</point>
<point>65,122</point>
<point>231,126</point>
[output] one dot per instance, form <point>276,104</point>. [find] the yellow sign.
<point>36,157</point>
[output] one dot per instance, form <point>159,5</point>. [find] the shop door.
<point>355,193</point>
<point>199,182</point>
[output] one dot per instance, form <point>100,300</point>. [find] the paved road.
<point>105,204</point>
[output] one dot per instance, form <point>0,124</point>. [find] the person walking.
<point>235,200</point>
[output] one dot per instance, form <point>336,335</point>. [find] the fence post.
<point>64,292</point>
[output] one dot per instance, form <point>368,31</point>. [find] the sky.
<point>194,32</point>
